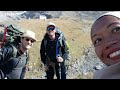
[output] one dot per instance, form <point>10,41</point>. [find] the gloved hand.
<point>46,67</point>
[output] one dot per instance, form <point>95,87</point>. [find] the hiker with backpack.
<point>14,56</point>
<point>54,52</point>
<point>105,35</point>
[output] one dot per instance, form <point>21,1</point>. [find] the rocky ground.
<point>86,65</point>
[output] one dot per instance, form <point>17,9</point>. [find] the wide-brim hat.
<point>29,34</point>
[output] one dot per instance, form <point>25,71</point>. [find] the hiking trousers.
<point>50,73</point>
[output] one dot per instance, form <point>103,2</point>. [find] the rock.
<point>98,67</point>
<point>29,68</point>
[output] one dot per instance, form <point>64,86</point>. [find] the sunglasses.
<point>50,28</point>
<point>32,41</point>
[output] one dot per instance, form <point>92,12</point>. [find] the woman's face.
<point>105,35</point>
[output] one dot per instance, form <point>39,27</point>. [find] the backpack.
<point>10,34</point>
<point>62,37</point>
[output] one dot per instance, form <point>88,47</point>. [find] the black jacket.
<point>49,51</point>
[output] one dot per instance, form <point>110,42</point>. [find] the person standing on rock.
<point>14,57</point>
<point>105,36</point>
<point>54,52</point>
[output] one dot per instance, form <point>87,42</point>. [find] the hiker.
<point>54,52</point>
<point>105,36</point>
<point>13,67</point>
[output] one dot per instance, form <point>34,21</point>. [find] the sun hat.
<point>29,34</point>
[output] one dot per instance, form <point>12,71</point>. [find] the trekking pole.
<point>59,64</point>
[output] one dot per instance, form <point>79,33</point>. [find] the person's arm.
<point>42,52</point>
<point>5,54</point>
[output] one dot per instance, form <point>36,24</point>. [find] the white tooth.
<point>115,53</point>
<point>119,51</point>
<point>111,55</point>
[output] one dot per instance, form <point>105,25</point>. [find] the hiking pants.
<point>50,73</point>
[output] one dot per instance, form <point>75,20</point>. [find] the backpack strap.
<point>60,39</point>
<point>14,53</point>
<point>27,55</point>
<point>58,49</point>
<point>45,43</point>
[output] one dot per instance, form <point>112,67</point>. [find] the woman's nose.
<point>109,44</point>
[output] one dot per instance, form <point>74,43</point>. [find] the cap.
<point>51,24</point>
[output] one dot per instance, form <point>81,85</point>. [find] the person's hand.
<point>59,59</point>
<point>46,68</point>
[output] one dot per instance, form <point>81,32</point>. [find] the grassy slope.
<point>73,31</point>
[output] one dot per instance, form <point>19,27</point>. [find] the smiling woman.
<point>105,35</point>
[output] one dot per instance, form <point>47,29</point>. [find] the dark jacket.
<point>108,72</point>
<point>12,65</point>
<point>49,51</point>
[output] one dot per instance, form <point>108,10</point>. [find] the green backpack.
<point>10,34</point>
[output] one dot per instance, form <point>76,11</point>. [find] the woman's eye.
<point>97,41</point>
<point>116,29</point>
